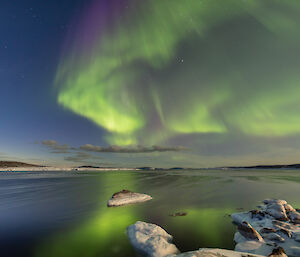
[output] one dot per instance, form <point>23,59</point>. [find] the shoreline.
<point>37,169</point>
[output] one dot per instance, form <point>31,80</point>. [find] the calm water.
<point>64,214</point>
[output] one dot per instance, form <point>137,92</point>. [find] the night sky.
<point>193,83</point>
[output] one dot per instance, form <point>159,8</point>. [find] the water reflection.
<point>65,214</point>
<point>102,235</point>
<point>204,227</point>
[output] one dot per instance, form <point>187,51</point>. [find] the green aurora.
<point>164,69</point>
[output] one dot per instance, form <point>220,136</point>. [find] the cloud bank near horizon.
<point>131,149</point>
<point>56,147</point>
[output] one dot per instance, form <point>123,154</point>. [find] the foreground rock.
<point>127,197</point>
<point>153,241</point>
<point>213,252</point>
<point>273,231</point>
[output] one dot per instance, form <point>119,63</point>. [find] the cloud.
<point>132,149</point>
<point>79,157</point>
<point>49,142</point>
<point>55,146</point>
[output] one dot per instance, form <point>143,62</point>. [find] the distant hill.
<point>10,164</point>
<point>279,166</point>
<point>89,167</point>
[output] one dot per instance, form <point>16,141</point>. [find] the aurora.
<point>155,70</point>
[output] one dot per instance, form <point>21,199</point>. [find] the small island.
<point>14,164</point>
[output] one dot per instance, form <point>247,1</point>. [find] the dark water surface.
<point>64,214</point>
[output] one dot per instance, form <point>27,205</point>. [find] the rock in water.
<point>178,214</point>
<point>127,197</point>
<point>151,240</point>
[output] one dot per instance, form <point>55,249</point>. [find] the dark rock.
<point>247,231</point>
<point>278,252</point>
<point>146,168</point>
<point>88,167</point>
<point>178,214</point>
<point>124,191</point>
<point>286,232</point>
<point>267,230</point>
<point>257,214</point>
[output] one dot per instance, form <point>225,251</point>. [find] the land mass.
<point>12,164</point>
<point>20,166</point>
<point>278,166</point>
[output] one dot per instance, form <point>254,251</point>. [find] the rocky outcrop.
<point>275,226</point>
<point>153,241</point>
<point>125,197</point>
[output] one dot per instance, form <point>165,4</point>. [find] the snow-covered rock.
<point>151,240</point>
<point>211,252</point>
<point>271,201</point>
<point>127,197</point>
<point>277,210</point>
<point>277,223</point>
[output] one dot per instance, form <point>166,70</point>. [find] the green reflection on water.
<point>95,237</point>
<point>207,227</point>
